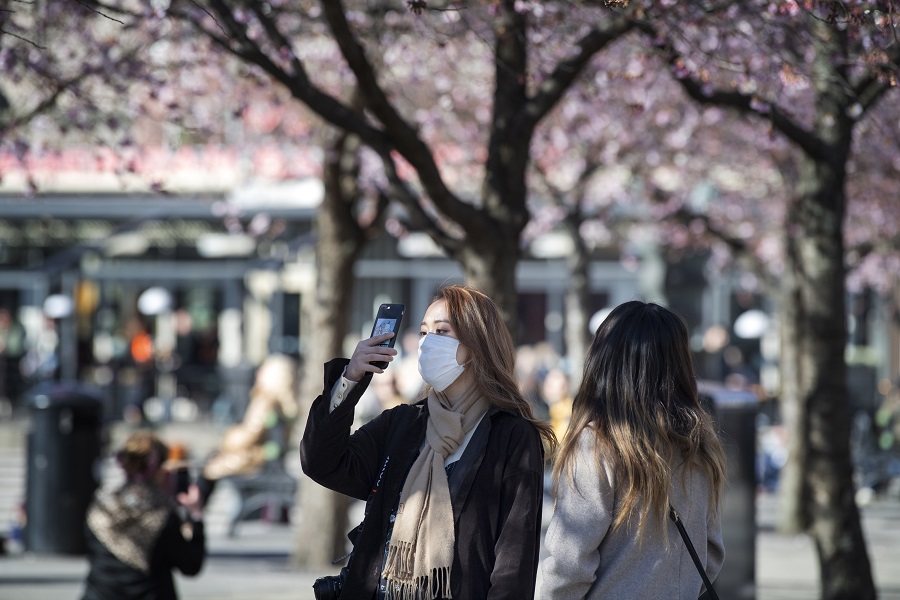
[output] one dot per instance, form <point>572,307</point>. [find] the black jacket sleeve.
<point>329,454</point>
<point>185,555</point>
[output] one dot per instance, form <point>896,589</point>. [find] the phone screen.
<point>383,326</point>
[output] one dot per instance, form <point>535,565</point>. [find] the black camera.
<point>329,587</point>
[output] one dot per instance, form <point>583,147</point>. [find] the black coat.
<point>496,506</point>
<point>111,579</point>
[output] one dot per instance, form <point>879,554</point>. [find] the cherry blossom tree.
<point>581,177</point>
<point>439,86</point>
<point>518,83</point>
<point>44,78</point>
<point>451,98</point>
<point>800,193</point>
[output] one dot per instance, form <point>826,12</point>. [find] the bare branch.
<point>98,12</point>
<point>210,15</point>
<point>103,9</point>
<point>568,70</point>
<point>769,110</point>
<point>26,40</point>
<point>413,203</point>
<point>404,138</point>
<point>44,106</point>
<point>859,251</point>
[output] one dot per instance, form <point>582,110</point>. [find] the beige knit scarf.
<point>421,548</point>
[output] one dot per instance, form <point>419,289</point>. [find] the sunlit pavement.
<point>255,565</point>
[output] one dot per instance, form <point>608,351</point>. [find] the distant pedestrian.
<point>262,434</point>
<point>638,441</point>
<point>135,535</point>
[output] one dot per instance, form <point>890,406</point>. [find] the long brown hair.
<point>638,397</point>
<point>480,328</point>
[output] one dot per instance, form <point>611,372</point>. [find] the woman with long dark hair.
<point>454,482</point>
<point>639,440</point>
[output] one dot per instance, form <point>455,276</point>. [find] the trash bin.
<point>735,412</point>
<point>63,446</point>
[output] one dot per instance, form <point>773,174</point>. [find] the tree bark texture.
<point>577,336</point>
<point>792,517</point>
<point>817,382</point>
<point>489,263</point>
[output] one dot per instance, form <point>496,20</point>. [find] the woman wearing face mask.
<point>453,483</point>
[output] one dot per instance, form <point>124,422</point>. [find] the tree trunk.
<point>822,417</point>
<point>577,336</point>
<point>322,528</point>
<point>323,515</point>
<point>792,516</point>
<point>489,263</point>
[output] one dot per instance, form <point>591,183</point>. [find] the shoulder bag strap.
<point>687,542</point>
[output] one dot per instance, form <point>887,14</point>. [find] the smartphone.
<point>387,319</point>
<point>181,481</point>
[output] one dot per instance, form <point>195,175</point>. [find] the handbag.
<point>710,592</point>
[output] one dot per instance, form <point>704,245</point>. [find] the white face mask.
<point>437,360</point>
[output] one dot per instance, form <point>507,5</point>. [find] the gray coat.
<point>588,559</point>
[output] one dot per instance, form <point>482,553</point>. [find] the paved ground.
<point>255,565</point>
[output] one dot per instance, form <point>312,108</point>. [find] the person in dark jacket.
<point>134,533</point>
<point>453,483</point>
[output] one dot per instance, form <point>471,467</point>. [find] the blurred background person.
<point>135,534</point>
<point>383,393</point>
<point>40,361</point>
<point>12,347</point>
<point>262,435</point>
<point>139,372</point>
<point>556,394</point>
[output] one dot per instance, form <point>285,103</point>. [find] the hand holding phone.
<point>373,354</point>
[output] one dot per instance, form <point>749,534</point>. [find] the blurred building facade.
<point>164,296</point>
<point>182,294</point>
